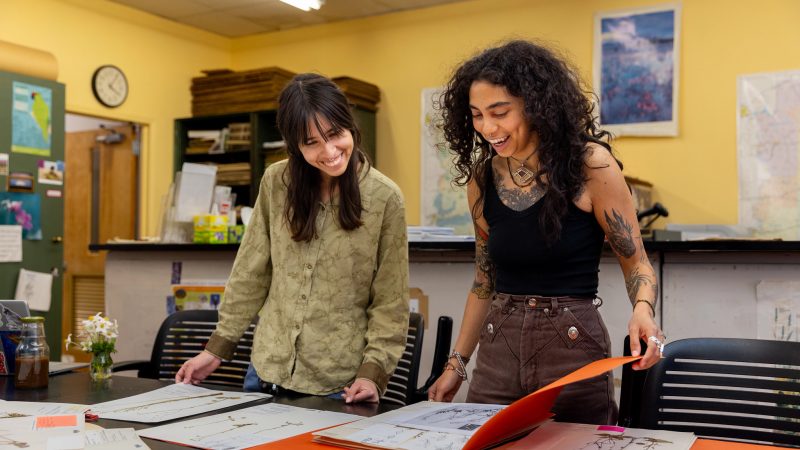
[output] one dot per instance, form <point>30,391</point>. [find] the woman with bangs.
<point>323,262</point>
<point>544,189</point>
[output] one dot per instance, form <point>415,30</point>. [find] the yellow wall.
<point>158,57</point>
<point>695,174</point>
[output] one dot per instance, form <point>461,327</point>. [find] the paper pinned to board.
<point>10,243</point>
<point>35,288</point>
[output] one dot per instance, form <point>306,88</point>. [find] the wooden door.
<point>101,176</point>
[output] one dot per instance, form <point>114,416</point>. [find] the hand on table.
<point>198,368</point>
<point>445,387</point>
<point>362,390</point>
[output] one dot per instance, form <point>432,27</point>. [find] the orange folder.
<point>524,414</point>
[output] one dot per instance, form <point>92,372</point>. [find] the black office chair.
<point>182,336</point>
<point>441,352</point>
<point>402,388</point>
<point>403,381</point>
<point>731,389</point>
<point>630,396</point>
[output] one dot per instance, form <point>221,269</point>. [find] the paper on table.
<point>423,425</point>
<point>28,409</point>
<point>246,427</point>
<point>195,191</point>
<point>42,432</point>
<point>10,243</point>
<point>35,288</point>
<point>172,402</point>
<point>114,439</point>
<point>560,435</point>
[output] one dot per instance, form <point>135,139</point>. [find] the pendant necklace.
<point>523,174</point>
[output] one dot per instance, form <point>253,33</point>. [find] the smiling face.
<point>326,148</point>
<point>500,118</point>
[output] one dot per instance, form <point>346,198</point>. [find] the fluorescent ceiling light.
<point>305,5</point>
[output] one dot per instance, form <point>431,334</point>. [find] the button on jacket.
<point>330,310</point>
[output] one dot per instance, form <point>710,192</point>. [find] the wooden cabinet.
<point>241,156</point>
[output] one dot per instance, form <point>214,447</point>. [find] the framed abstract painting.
<point>636,70</point>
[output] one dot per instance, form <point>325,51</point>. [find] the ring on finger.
<point>659,344</point>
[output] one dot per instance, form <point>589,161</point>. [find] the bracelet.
<point>652,308</point>
<point>462,364</point>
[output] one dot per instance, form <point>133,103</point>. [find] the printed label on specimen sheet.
<point>247,427</point>
<point>172,402</point>
<point>63,432</point>
<point>114,439</point>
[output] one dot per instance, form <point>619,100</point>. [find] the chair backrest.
<point>403,382</point>
<point>736,389</point>
<point>183,335</point>
<point>441,353</point>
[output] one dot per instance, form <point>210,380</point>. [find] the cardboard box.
<point>210,229</point>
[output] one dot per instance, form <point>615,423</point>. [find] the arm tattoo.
<point>620,234</point>
<point>484,276</point>
<point>635,280</point>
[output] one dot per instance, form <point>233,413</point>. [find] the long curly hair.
<point>557,108</point>
<point>303,101</point>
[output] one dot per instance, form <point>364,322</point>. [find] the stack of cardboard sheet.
<point>226,92</point>
<point>360,93</point>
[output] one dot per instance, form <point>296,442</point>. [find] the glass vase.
<point>100,366</point>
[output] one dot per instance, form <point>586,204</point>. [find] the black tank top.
<point>525,264</point>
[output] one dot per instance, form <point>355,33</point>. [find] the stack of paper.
<point>423,425</point>
<point>430,233</point>
<point>563,436</point>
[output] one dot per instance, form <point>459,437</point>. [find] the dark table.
<point>77,387</point>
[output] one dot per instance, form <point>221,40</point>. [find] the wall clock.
<point>110,86</point>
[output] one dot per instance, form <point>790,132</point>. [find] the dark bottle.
<point>32,361</point>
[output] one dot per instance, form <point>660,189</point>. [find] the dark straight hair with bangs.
<point>305,100</point>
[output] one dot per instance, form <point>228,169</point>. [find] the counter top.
<point>715,245</point>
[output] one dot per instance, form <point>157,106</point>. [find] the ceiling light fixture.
<point>305,5</point>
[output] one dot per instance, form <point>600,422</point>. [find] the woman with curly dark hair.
<point>544,189</point>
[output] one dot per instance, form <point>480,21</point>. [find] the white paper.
<point>421,426</point>
<point>10,243</point>
<point>23,432</point>
<point>246,427</point>
<point>28,409</point>
<point>34,288</point>
<point>567,436</point>
<point>195,191</point>
<point>114,439</point>
<point>778,310</point>
<point>172,402</point>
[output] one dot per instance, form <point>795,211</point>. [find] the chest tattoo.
<point>518,199</point>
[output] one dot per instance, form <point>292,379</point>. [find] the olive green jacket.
<point>330,310</point>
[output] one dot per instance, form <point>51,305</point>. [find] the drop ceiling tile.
<point>224,24</point>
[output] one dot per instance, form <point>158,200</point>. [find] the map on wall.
<point>442,203</point>
<point>768,141</point>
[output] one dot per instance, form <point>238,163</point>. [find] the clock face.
<point>110,86</point>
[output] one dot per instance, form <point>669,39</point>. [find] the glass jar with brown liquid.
<point>32,361</point>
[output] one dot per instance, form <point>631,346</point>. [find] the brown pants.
<point>527,342</point>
